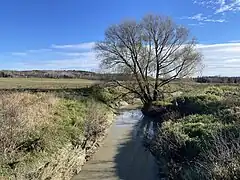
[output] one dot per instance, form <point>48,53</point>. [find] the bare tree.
<point>152,52</point>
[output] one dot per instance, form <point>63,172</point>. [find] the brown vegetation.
<point>46,137</point>
<point>21,114</point>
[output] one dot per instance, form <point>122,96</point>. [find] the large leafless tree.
<point>152,52</point>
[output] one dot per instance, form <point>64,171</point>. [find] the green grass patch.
<point>204,141</point>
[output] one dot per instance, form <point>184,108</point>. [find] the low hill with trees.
<point>57,74</point>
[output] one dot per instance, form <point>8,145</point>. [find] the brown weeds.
<point>21,114</point>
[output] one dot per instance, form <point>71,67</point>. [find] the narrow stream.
<point>122,156</point>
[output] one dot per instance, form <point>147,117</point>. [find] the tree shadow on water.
<point>133,161</point>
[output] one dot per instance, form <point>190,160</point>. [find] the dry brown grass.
<point>28,109</point>
<point>95,124</point>
<point>21,114</point>
<point>42,136</point>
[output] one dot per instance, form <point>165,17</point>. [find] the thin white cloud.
<point>213,4</point>
<point>198,17</point>
<point>215,20</point>
<point>78,54</point>
<point>221,45</point>
<point>18,53</point>
<point>232,60</point>
<point>197,24</point>
<point>38,50</point>
<point>220,6</point>
<point>221,59</point>
<point>28,52</point>
<point>83,63</point>
<point>203,19</point>
<point>234,41</point>
<point>72,56</point>
<point>233,6</point>
<point>74,50</point>
<point>80,46</point>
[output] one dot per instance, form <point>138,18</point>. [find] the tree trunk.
<point>147,107</point>
<point>155,95</point>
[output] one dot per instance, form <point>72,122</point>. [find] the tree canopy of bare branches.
<point>153,52</point>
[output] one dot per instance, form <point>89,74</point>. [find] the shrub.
<point>214,91</point>
<point>103,94</point>
<point>203,140</point>
<point>110,95</point>
<point>223,160</point>
<point>200,104</point>
<point>182,149</point>
<point>230,115</point>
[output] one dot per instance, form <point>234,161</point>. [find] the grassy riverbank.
<point>43,135</point>
<point>200,135</point>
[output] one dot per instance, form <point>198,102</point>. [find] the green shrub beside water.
<point>204,143</point>
<point>182,149</point>
<point>199,104</point>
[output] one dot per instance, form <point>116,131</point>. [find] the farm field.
<point>43,83</point>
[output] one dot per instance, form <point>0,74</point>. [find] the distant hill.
<point>77,74</point>
<point>57,74</point>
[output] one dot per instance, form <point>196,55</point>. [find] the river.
<point>122,155</point>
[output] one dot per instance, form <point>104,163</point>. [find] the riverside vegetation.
<point>51,135</point>
<point>198,134</point>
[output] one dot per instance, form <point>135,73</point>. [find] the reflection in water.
<point>130,117</point>
<point>123,155</point>
<point>144,126</point>
<point>132,160</point>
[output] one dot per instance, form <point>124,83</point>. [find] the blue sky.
<point>60,34</point>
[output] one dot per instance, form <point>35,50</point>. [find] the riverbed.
<point>122,155</point>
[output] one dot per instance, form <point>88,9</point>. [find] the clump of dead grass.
<point>45,137</point>
<point>21,116</point>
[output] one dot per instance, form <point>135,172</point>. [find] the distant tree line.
<point>77,74</point>
<point>72,74</point>
<point>217,79</point>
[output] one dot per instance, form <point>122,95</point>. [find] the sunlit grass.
<point>43,83</point>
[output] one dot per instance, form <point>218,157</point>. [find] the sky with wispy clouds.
<point>60,34</point>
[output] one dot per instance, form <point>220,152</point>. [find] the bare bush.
<point>95,124</point>
<point>223,160</point>
<point>21,114</point>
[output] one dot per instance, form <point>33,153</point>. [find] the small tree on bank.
<point>152,52</point>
